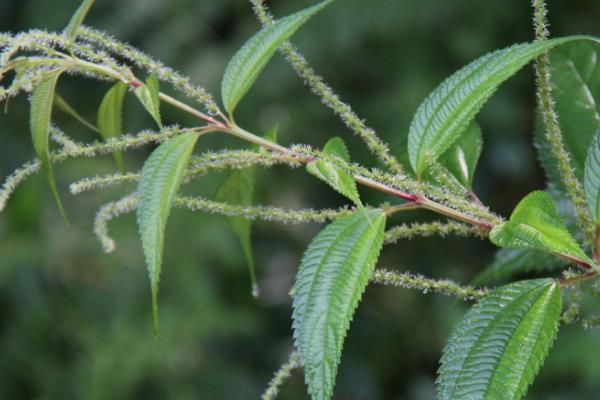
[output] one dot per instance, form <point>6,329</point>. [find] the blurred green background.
<point>75,323</point>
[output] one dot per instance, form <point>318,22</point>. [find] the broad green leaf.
<point>592,177</point>
<point>510,262</point>
<point>340,180</point>
<point>576,91</point>
<point>110,116</point>
<point>245,66</point>
<point>42,101</point>
<point>77,19</point>
<point>65,107</point>
<point>535,224</point>
<point>161,177</point>
<point>238,188</point>
<point>148,95</point>
<point>450,108</point>
<point>333,274</point>
<point>500,345</point>
<point>462,157</point>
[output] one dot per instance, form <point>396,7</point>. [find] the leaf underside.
<point>462,157</point>
<point>245,66</point>
<point>42,102</point>
<point>450,108</point>
<point>500,345</point>
<point>110,116</point>
<point>161,177</point>
<point>333,274</point>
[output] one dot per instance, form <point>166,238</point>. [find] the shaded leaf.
<point>500,345</point>
<point>245,66</point>
<point>462,157</point>
<point>339,179</point>
<point>110,116</point>
<point>450,108</point>
<point>535,224</point>
<point>334,272</point>
<point>160,179</point>
<point>592,177</point>
<point>65,107</point>
<point>510,262</point>
<point>77,19</point>
<point>42,101</point>
<point>149,97</point>
<point>238,188</point>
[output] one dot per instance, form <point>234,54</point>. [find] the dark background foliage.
<point>76,323</point>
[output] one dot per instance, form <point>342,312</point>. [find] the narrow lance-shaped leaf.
<point>500,345</point>
<point>592,177</point>
<point>451,107</point>
<point>42,101</point>
<point>536,224</point>
<point>238,188</point>
<point>333,274</point>
<point>339,179</point>
<point>110,116</point>
<point>148,95</point>
<point>64,106</point>
<point>462,157</point>
<point>245,66</point>
<point>161,177</point>
<point>77,19</point>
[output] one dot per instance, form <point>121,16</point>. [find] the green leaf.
<point>149,97</point>
<point>110,116</point>
<point>339,179</point>
<point>65,107</point>
<point>334,272</point>
<point>161,177</point>
<point>535,224</point>
<point>450,108</point>
<point>500,345</point>
<point>510,262</point>
<point>245,66</point>
<point>592,177</point>
<point>238,188</point>
<point>77,19</point>
<point>42,101</point>
<point>462,157</point>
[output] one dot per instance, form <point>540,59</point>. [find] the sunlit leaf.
<point>161,177</point>
<point>110,116</point>
<point>535,224</point>
<point>334,272</point>
<point>450,108</point>
<point>42,101</point>
<point>339,179</point>
<point>148,95</point>
<point>500,345</point>
<point>250,60</point>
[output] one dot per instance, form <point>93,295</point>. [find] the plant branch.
<point>554,135</point>
<point>318,86</point>
<point>283,373</point>
<point>411,281</point>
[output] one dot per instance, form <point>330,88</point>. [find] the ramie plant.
<point>498,348</point>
